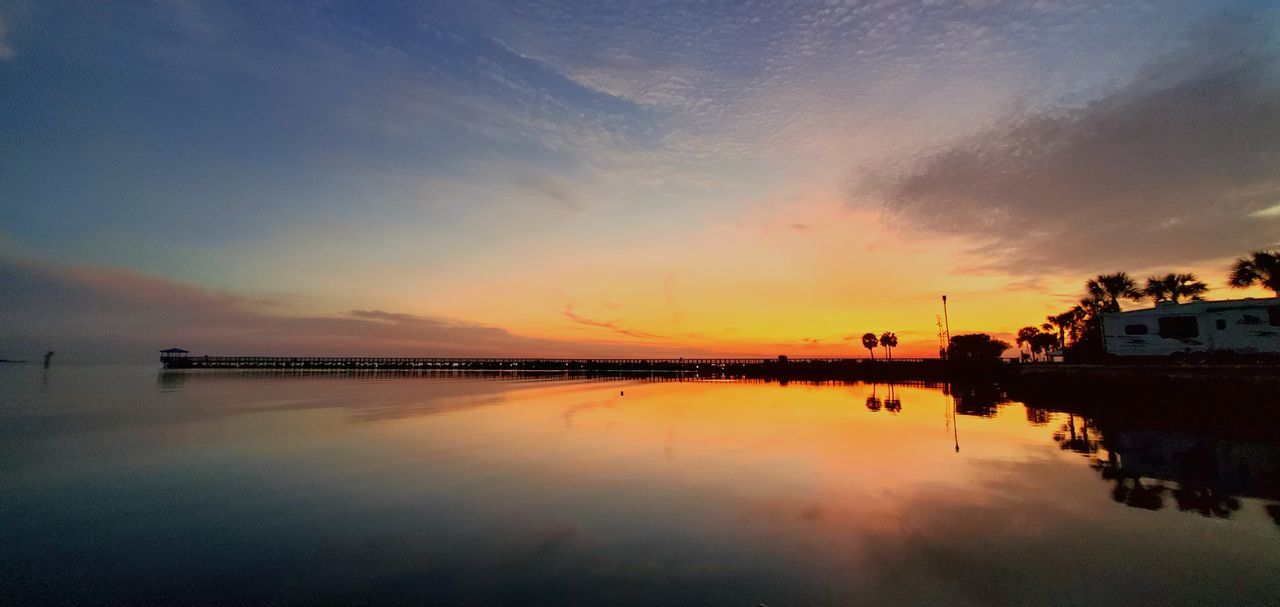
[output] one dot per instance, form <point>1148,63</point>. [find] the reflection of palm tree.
<point>1261,268</point>
<point>1208,502</point>
<point>1147,497</point>
<point>873,403</point>
<point>870,341</point>
<point>1073,441</point>
<point>1037,416</point>
<point>1136,496</point>
<point>892,404</point>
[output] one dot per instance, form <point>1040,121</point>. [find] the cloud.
<point>611,325</point>
<point>1178,166</point>
<point>6,51</point>
<point>94,314</point>
<point>549,189</point>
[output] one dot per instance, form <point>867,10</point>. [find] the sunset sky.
<point>614,178</point>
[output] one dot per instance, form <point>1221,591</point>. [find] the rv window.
<point>1135,329</point>
<point>1250,319</point>
<point>1273,315</point>
<point>1221,323</point>
<point>1179,327</point>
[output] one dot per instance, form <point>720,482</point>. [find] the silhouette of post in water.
<point>955,421</point>
<point>48,357</point>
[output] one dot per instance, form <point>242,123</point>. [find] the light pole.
<point>946,320</point>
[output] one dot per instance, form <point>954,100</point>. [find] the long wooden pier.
<point>728,366</point>
<point>548,364</point>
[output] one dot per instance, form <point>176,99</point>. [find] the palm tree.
<point>1187,285</point>
<point>1064,322</point>
<point>889,341</point>
<point>1174,287</point>
<point>1042,343</point>
<point>1261,268</point>
<point>1111,288</point>
<point>869,341</point>
<point>1024,336</point>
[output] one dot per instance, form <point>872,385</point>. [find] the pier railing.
<point>550,364</point>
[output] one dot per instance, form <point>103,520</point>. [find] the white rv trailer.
<point>1195,328</point>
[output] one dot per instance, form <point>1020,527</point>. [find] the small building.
<point>173,353</point>
<point>1196,328</point>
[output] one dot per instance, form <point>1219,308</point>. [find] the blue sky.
<point>434,158</point>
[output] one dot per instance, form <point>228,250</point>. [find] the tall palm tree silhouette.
<point>1109,289</point>
<point>889,341</point>
<point>1260,268</point>
<point>1067,323</point>
<point>870,341</point>
<point>1174,287</point>
<point>1024,336</point>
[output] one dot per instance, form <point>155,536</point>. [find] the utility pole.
<point>947,320</point>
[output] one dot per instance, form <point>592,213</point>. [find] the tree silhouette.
<point>1109,289</point>
<point>1174,287</point>
<point>1260,268</point>
<point>889,341</point>
<point>870,341</point>
<point>1042,343</point>
<point>1069,323</point>
<point>1024,336</point>
<point>976,347</point>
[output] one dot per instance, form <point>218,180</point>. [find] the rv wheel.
<point>1178,358</point>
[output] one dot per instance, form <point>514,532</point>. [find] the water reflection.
<point>1144,468</point>
<point>980,400</point>
<point>1203,475</point>
<point>474,488</point>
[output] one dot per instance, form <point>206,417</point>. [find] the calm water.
<point>121,484</point>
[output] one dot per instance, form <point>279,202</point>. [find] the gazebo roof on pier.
<point>175,351</point>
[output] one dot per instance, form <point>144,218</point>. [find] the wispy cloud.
<point>606,324</point>
<point>549,189</point>
<point>104,314</point>
<point>6,51</point>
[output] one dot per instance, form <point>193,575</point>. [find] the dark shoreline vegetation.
<point>1078,331</point>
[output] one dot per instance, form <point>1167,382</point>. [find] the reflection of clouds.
<point>575,410</point>
<point>534,547</point>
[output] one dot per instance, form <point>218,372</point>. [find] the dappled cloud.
<point>1181,165</point>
